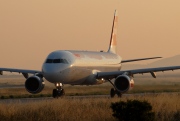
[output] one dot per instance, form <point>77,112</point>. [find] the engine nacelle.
<point>34,84</point>
<point>124,83</point>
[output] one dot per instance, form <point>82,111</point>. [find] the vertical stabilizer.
<point>113,39</point>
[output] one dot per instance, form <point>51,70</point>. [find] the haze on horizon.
<point>30,30</point>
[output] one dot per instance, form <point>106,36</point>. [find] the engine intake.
<point>34,84</point>
<point>123,83</point>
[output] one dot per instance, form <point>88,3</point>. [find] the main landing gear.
<point>114,91</point>
<point>59,91</point>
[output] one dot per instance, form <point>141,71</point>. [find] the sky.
<point>30,30</point>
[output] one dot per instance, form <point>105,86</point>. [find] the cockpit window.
<point>65,61</point>
<point>56,61</point>
<point>49,60</point>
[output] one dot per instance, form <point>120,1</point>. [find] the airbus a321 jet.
<point>85,68</point>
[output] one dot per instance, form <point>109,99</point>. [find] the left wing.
<point>114,74</point>
<point>23,71</point>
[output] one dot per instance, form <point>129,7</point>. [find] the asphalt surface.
<point>30,100</point>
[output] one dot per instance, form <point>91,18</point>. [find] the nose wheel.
<point>59,91</point>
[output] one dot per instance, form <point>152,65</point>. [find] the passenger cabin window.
<point>57,61</point>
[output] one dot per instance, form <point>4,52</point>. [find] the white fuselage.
<point>79,67</point>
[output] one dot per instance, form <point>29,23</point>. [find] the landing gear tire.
<point>59,91</point>
<point>119,94</point>
<point>112,92</point>
<point>62,92</point>
<point>55,93</point>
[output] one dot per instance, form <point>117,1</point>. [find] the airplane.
<point>86,68</point>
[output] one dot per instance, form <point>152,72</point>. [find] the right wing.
<point>139,59</point>
<point>25,72</point>
<point>114,74</point>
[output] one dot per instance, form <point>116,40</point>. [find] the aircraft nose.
<point>53,73</point>
<point>48,69</point>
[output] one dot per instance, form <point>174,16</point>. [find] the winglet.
<point>113,39</point>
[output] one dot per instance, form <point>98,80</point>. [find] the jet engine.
<point>34,84</point>
<point>124,83</point>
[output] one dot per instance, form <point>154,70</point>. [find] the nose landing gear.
<point>59,91</point>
